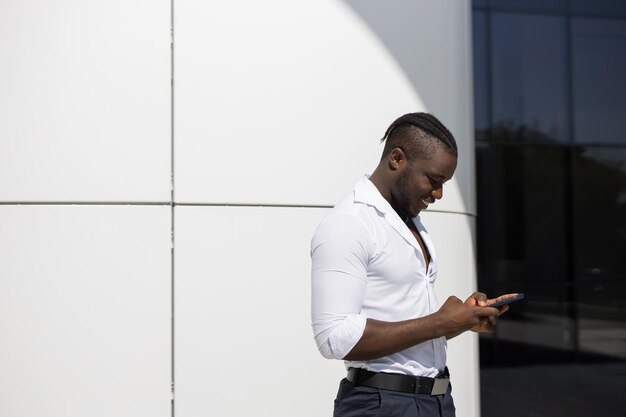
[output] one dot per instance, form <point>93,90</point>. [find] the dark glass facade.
<point>550,106</point>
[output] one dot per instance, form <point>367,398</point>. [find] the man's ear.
<point>397,159</point>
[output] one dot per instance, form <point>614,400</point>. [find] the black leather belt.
<point>400,382</point>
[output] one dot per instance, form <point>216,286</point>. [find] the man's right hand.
<point>456,316</point>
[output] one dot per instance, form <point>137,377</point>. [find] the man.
<point>373,274</point>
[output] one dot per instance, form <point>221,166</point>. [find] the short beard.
<point>402,201</point>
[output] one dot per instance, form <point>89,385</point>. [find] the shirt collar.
<point>366,192</point>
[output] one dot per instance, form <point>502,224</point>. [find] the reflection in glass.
<point>523,204</point>
<point>600,213</point>
<point>600,250</point>
<point>523,242</point>
<point>599,80</point>
<point>600,244</point>
<point>564,390</point>
<point>551,201</point>
<point>531,5</point>
<point>529,77</point>
<point>605,8</point>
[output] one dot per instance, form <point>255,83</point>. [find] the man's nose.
<point>437,193</point>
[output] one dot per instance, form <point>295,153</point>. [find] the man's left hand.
<point>487,324</point>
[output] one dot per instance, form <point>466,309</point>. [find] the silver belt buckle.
<point>440,386</point>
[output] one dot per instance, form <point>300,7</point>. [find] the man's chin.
<point>419,209</point>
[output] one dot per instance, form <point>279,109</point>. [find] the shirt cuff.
<point>343,337</point>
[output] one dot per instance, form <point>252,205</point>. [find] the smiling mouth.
<point>425,203</point>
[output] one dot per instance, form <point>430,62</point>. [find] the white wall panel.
<point>85,311</point>
<point>244,345</point>
<point>453,235</point>
<point>279,102</point>
<point>85,100</point>
<point>284,102</point>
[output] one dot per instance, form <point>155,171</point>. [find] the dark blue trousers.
<point>362,401</point>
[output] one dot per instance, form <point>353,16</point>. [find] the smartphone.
<point>507,300</point>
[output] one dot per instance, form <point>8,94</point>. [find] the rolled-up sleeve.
<point>340,250</point>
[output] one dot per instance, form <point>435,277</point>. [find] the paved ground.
<point>590,390</point>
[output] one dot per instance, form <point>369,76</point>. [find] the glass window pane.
<point>605,8</point>
<point>600,213</point>
<point>564,330</point>
<point>529,77</point>
<point>522,237</point>
<point>549,390</point>
<point>479,3</point>
<point>481,75</point>
<point>522,232</point>
<point>599,80</point>
<point>531,5</point>
<point>600,249</point>
<point>522,197</point>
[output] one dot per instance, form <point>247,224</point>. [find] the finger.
<point>476,299</point>
<point>488,325</point>
<point>453,300</point>
<point>488,311</point>
<point>502,297</point>
<point>485,325</point>
<point>503,309</point>
<point>483,321</point>
<point>481,298</point>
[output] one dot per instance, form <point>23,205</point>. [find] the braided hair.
<point>418,135</point>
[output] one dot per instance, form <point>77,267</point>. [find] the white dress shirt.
<point>366,263</point>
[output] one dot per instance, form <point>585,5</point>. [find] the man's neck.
<point>378,179</point>
<point>383,185</point>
